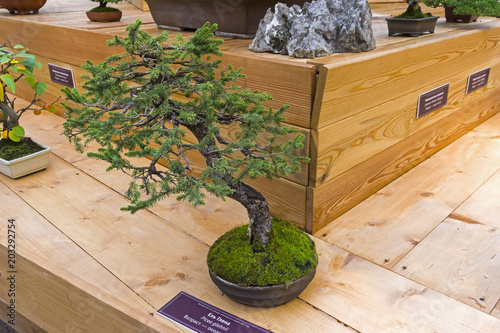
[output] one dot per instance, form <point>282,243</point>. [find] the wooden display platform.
<point>357,111</point>
<point>420,256</point>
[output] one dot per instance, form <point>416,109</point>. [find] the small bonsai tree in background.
<point>103,6</point>
<point>468,7</point>
<point>413,11</point>
<point>143,102</point>
<point>13,68</point>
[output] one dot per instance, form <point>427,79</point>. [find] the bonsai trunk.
<point>10,118</point>
<point>413,9</point>
<point>260,230</point>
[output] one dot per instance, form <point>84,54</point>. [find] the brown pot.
<point>450,17</point>
<point>22,6</point>
<point>114,16</point>
<point>264,297</point>
<point>412,27</point>
<point>237,19</point>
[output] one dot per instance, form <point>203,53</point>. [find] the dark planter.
<point>22,6</point>
<point>263,296</point>
<point>105,16</point>
<point>412,27</point>
<point>237,19</point>
<point>450,17</point>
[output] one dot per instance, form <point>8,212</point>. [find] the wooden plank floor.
<point>419,256</point>
<point>438,224</point>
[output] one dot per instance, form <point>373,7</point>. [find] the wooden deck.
<point>420,255</point>
<point>356,111</point>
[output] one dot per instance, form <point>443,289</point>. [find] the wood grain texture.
<point>141,4</point>
<point>496,311</point>
<point>22,323</point>
<point>358,138</point>
<point>459,258</point>
<point>134,247</point>
<point>407,210</point>
<point>335,197</point>
<point>370,298</point>
<point>43,276</point>
<point>368,81</point>
<point>290,83</point>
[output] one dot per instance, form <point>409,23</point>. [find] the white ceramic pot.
<point>27,164</point>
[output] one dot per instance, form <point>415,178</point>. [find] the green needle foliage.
<point>144,102</point>
<point>468,7</point>
<point>103,6</point>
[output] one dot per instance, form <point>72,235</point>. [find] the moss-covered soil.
<point>10,150</point>
<point>104,9</point>
<point>290,255</point>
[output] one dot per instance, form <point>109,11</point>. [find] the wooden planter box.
<point>238,19</point>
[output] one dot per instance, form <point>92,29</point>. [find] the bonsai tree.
<point>103,6</point>
<point>15,67</point>
<point>468,7</point>
<point>142,103</point>
<point>413,11</point>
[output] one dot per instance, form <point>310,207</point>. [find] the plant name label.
<point>432,100</point>
<point>477,80</point>
<point>201,317</point>
<point>62,75</point>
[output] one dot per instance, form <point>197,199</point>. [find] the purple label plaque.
<point>62,75</point>
<point>201,317</point>
<point>432,100</point>
<point>477,80</point>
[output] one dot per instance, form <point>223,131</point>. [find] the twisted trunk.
<point>10,118</point>
<point>260,229</point>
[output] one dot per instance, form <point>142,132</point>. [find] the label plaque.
<point>478,80</point>
<point>432,100</point>
<point>201,317</point>
<point>62,75</point>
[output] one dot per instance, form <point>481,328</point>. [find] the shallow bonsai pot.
<point>237,19</point>
<point>22,6</point>
<point>268,296</point>
<point>412,27</point>
<point>114,16</point>
<point>27,164</point>
<point>450,17</point>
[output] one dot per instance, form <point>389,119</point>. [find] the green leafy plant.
<point>103,6</point>
<point>468,7</point>
<point>414,11</point>
<point>18,64</point>
<point>144,103</point>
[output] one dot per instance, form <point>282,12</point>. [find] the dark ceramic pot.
<point>450,17</point>
<point>412,27</point>
<point>237,19</point>
<point>22,6</point>
<point>105,16</point>
<point>263,296</point>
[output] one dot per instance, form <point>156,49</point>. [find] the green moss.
<point>10,150</point>
<point>414,15</point>
<point>290,255</point>
<point>104,9</point>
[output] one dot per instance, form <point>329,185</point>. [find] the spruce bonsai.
<point>17,64</point>
<point>142,103</point>
<point>468,7</point>
<point>413,11</point>
<point>103,6</point>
